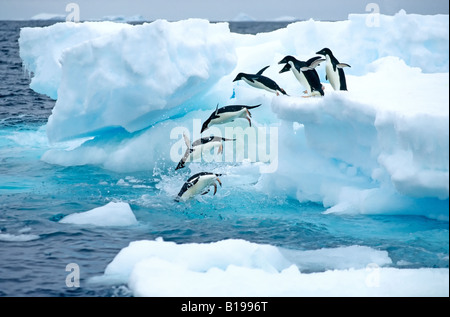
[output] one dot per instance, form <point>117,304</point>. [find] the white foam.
<point>18,237</point>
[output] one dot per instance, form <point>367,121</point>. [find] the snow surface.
<point>112,214</point>
<point>241,268</point>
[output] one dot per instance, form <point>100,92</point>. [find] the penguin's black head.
<point>286,68</point>
<point>180,165</point>
<point>239,77</point>
<point>287,59</point>
<point>205,125</point>
<point>325,51</point>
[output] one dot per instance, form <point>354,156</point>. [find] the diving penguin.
<point>262,82</point>
<point>334,70</point>
<point>305,73</point>
<point>228,114</point>
<point>198,184</point>
<point>195,150</point>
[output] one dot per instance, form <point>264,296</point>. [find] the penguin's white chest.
<point>259,85</point>
<point>332,75</point>
<point>199,150</point>
<point>301,78</point>
<point>229,116</point>
<point>198,188</point>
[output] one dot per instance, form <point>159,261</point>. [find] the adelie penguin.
<point>198,184</point>
<point>305,73</point>
<point>262,82</point>
<point>195,150</point>
<point>334,70</point>
<point>228,114</point>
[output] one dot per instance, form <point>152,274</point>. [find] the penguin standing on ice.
<point>228,114</point>
<point>195,150</point>
<point>198,184</point>
<point>262,82</point>
<point>334,70</point>
<point>305,73</point>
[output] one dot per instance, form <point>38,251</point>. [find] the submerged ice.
<point>381,147</point>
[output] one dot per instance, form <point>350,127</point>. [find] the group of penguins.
<point>305,73</point>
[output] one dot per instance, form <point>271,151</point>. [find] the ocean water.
<point>35,249</point>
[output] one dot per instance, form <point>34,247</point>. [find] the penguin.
<point>305,73</point>
<point>334,70</point>
<point>198,184</point>
<point>195,150</point>
<point>228,114</point>
<point>261,82</point>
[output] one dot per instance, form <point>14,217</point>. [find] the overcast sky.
<point>214,10</point>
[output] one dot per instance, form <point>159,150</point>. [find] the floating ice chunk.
<point>242,268</point>
<point>112,214</point>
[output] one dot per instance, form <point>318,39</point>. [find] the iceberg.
<point>380,148</point>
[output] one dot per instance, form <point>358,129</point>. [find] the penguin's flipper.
<point>342,65</point>
<point>225,139</point>
<point>187,141</point>
<point>316,63</point>
<point>217,110</point>
<point>215,188</point>
<point>206,192</point>
<point>326,77</point>
<point>262,70</point>
<point>306,68</point>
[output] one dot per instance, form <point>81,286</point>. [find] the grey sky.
<point>216,10</point>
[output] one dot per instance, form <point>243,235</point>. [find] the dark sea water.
<point>34,196</point>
